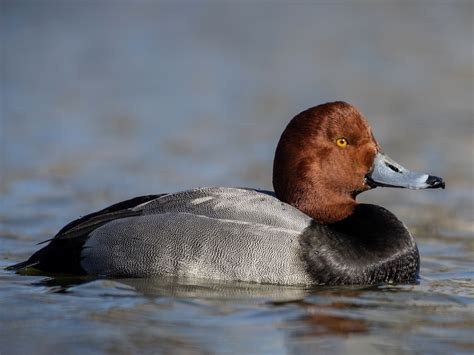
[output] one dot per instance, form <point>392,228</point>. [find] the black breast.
<point>370,247</point>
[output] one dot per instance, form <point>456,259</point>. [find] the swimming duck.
<point>310,230</point>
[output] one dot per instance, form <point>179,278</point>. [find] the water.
<point>102,101</point>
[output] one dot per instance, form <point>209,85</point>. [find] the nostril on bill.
<point>393,167</point>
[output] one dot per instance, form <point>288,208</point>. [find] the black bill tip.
<point>435,182</point>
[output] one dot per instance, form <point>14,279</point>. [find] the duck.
<point>309,231</point>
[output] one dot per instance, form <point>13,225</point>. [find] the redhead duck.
<point>310,230</point>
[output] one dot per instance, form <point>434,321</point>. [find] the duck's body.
<point>231,234</point>
<point>300,237</point>
<point>213,233</point>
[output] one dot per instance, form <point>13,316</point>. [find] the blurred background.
<point>106,100</point>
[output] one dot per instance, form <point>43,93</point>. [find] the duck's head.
<point>327,155</point>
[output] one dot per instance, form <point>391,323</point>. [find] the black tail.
<point>22,265</point>
<point>60,255</point>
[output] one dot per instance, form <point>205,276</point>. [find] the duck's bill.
<point>386,172</point>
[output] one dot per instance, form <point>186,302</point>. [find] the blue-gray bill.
<point>387,172</point>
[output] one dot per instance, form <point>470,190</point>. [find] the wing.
<point>242,205</point>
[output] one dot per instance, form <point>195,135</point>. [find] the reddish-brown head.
<point>322,159</point>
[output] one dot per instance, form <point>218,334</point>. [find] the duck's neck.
<point>323,206</point>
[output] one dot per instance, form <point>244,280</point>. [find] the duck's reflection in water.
<point>323,319</point>
<point>302,315</point>
<point>215,290</point>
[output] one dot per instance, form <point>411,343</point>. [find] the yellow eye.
<point>341,142</point>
